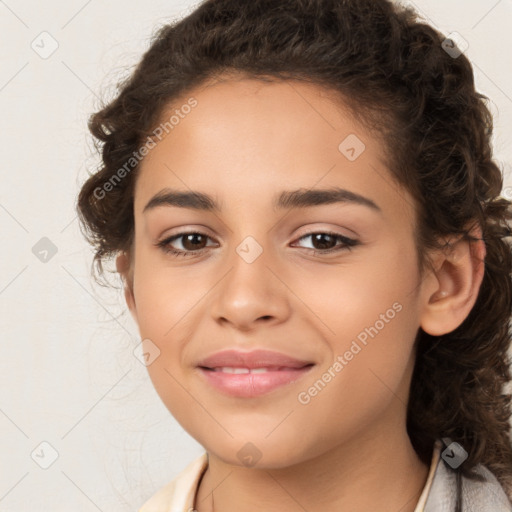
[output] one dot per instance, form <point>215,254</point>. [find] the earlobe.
<point>452,290</point>
<point>123,268</point>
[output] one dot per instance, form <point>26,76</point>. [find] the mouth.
<point>243,370</point>
<point>252,379</point>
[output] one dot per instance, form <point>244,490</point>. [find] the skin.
<point>245,142</point>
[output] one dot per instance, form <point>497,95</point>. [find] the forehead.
<point>245,136</point>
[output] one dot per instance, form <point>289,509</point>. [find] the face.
<point>303,247</point>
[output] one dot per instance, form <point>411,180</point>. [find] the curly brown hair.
<point>392,71</point>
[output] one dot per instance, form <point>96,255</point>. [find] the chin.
<point>256,451</point>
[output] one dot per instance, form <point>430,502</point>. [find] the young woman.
<point>303,205</point>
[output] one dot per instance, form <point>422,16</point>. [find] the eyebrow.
<point>301,198</point>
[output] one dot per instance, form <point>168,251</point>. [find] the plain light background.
<point>69,378</point>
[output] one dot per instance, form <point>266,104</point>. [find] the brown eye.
<point>191,244</point>
<point>325,242</point>
<point>192,241</point>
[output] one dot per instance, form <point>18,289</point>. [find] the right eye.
<point>190,242</point>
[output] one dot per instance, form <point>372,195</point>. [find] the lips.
<point>251,374</point>
<point>251,360</point>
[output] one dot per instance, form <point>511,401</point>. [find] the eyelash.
<point>164,245</point>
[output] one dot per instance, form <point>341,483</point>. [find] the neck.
<point>356,475</point>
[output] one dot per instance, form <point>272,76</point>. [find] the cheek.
<point>167,303</point>
<point>165,318</point>
<point>369,297</point>
<point>368,374</point>
<point>370,317</point>
<point>165,298</point>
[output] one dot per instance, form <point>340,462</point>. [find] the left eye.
<point>193,243</point>
<point>327,238</point>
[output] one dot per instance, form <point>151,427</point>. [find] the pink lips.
<point>251,374</point>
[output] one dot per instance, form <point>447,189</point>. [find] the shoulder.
<point>487,494</point>
<point>484,495</point>
<point>179,494</point>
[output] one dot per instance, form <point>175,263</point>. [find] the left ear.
<point>451,292</point>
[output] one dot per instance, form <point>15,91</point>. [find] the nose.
<point>251,293</point>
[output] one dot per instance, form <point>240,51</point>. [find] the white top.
<point>179,495</point>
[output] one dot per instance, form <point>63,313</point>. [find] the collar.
<point>438,495</point>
